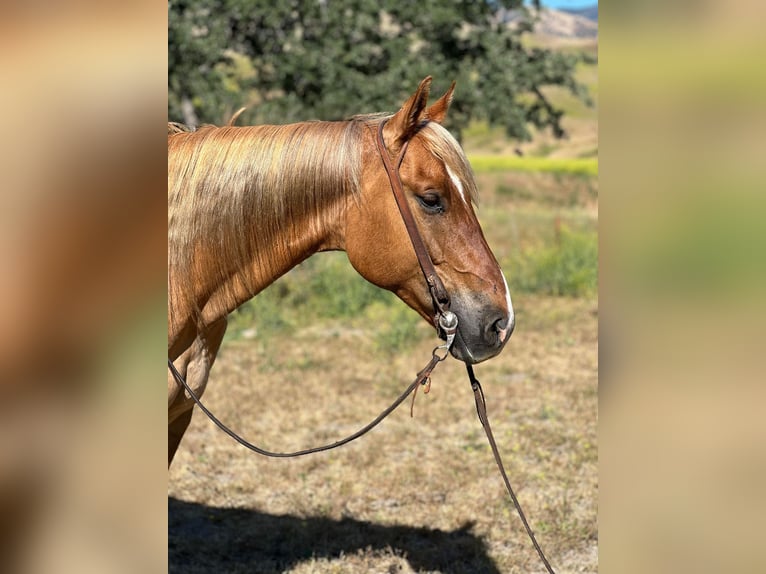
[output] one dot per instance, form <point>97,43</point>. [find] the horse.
<point>246,204</point>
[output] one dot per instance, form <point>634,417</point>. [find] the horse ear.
<point>438,110</point>
<point>406,122</point>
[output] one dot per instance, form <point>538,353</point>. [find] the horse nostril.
<point>503,328</point>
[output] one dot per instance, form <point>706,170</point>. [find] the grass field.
<point>321,352</point>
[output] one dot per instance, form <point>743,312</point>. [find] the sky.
<point>568,3</point>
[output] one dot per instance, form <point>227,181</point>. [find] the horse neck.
<point>272,261</point>
<point>261,211</point>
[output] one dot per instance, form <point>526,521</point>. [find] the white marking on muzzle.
<point>457,183</point>
<point>509,325</point>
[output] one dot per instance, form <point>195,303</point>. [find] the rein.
<point>481,410</point>
<point>421,379</point>
<point>446,322</point>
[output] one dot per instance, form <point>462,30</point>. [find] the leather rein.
<point>446,323</point>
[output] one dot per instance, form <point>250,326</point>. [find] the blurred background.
<point>681,456</point>
<point>679,95</point>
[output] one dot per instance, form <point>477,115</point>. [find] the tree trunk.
<point>187,110</point>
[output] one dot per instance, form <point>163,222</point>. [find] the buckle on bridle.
<point>448,325</point>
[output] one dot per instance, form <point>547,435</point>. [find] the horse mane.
<point>239,198</point>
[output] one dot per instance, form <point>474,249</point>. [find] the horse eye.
<point>431,202</point>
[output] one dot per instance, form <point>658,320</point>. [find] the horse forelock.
<point>445,147</point>
<point>442,144</point>
<point>238,197</point>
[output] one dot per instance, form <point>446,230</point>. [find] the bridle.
<point>438,292</point>
<point>446,323</point>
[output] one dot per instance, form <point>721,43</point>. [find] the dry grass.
<point>416,495</point>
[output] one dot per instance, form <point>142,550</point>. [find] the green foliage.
<point>341,292</point>
<point>569,267</point>
<point>325,287</point>
<point>333,59</point>
<point>267,314</point>
<point>396,325</point>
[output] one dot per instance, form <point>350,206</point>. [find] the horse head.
<point>440,188</point>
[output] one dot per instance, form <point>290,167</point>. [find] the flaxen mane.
<point>238,195</point>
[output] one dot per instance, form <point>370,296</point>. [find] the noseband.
<point>444,319</point>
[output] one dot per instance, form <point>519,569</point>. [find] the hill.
<point>565,25</point>
<point>557,23</point>
<point>589,12</point>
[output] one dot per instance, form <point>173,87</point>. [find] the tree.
<point>328,59</point>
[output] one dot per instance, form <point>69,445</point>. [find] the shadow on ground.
<point>205,539</point>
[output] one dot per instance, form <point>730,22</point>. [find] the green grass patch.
<point>396,326</point>
<point>568,267</point>
<point>580,166</point>
<point>326,287</point>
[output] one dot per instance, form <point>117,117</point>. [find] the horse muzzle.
<point>482,333</point>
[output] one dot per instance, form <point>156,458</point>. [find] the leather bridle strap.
<point>420,379</point>
<point>435,286</point>
<point>481,410</point>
